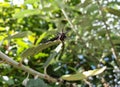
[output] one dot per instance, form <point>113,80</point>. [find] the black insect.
<point>61,36</point>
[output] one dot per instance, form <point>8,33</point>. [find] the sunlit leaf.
<point>40,55</point>
<point>2,28</point>
<point>26,13</point>
<point>74,77</point>
<point>4,4</point>
<point>31,1</point>
<point>18,35</point>
<point>84,75</point>
<point>94,72</point>
<point>41,37</point>
<point>1,20</point>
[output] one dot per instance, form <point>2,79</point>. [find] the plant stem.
<point>25,68</point>
<point>108,34</point>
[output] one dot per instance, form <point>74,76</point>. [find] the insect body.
<point>61,36</point>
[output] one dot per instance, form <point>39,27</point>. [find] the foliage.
<point>92,41</point>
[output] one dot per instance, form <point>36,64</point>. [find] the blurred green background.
<point>93,33</point>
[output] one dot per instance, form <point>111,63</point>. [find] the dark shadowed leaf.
<point>113,11</point>
<point>36,83</point>
<point>28,52</point>
<point>34,50</point>
<point>52,55</point>
<point>10,82</point>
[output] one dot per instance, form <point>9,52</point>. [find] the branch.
<point>69,20</point>
<point>104,82</point>
<point>74,28</point>
<point>108,33</point>
<point>25,68</point>
<point>88,83</point>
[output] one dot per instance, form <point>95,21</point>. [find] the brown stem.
<point>88,83</point>
<point>25,68</point>
<point>105,84</point>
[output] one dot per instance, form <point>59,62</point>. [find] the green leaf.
<point>92,8</point>
<point>40,55</point>
<point>41,37</point>
<point>9,81</point>
<point>36,49</point>
<point>112,11</point>
<point>86,3</point>
<point>31,1</point>
<point>94,72</point>
<point>4,4</point>
<point>52,55</point>
<point>84,75</point>
<point>36,83</point>
<point>116,41</point>
<point>61,4</point>
<point>74,77</point>
<point>18,35</point>
<point>26,13</point>
<point>28,52</point>
<point>2,28</point>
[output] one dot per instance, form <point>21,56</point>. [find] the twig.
<point>69,20</point>
<point>25,68</point>
<point>73,27</point>
<point>109,38</point>
<point>108,33</point>
<point>88,83</point>
<point>105,84</point>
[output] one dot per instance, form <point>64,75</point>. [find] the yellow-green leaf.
<point>84,75</point>
<point>31,1</point>
<point>41,37</point>
<point>4,4</point>
<point>18,35</point>
<point>94,72</point>
<point>2,28</point>
<point>74,77</point>
<point>26,13</point>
